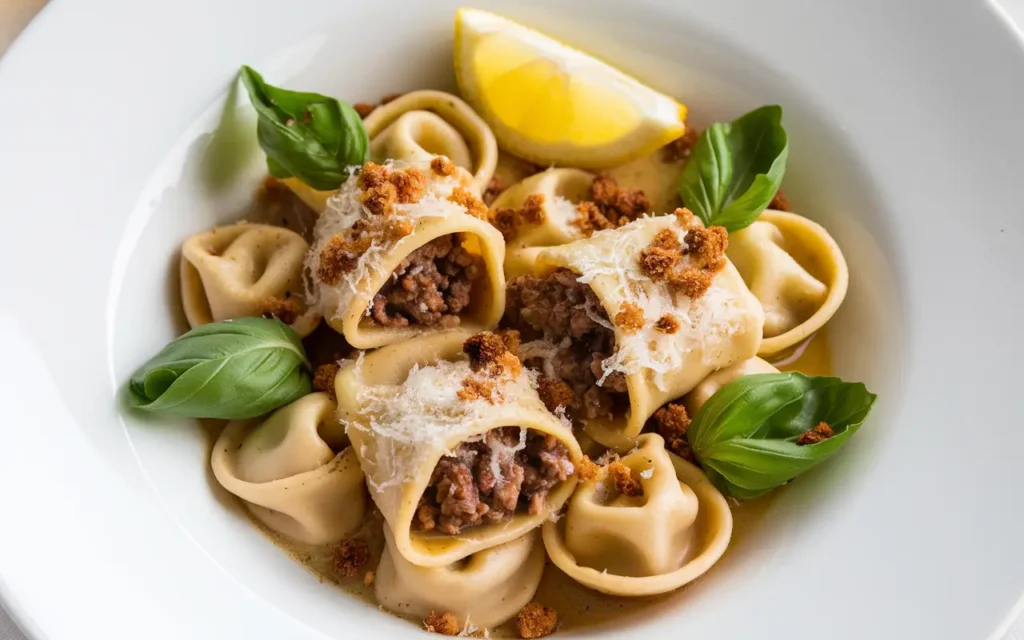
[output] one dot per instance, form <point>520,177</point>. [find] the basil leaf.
<point>232,370</point>
<point>745,435</point>
<point>736,169</point>
<point>312,137</point>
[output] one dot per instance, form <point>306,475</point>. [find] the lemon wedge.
<point>553,104</point>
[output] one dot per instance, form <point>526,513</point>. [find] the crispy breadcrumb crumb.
<point>532,211</point>
<point>687,219</point>
<point>693,283</point>
<point>476,389</point>
<point>657,263</point>
<point>323,379</point>
<point>555,393</point>
<point>474,205</point>
<point>780,202</point>
<point>587,469</point>
<point>621,205</point>
<point>505,220</point>
<point>667,323</point>
<point>589,219</point>
<point>350,557</point>
<point>671,422</point>
<point>512,340</point>
<point>624,480</point>
<point>630,318</point>
<point>682,147</point>
<point>363,109</point>
<point>286,309</point>
<point>814,435</point>
<point>536,621</point>
<point>483,350</point>
<point>442,623</point>
<point>442,166</point>
<point>708,247</point>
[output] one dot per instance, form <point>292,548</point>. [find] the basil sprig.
<point>232,370</point>
<point>736,169</point>
<point>745,435</point>
<point>312,137</point>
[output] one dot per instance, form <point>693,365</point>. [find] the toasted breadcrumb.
<point>508,365</point>
<point>369,577</point>
<point>780,202</point>
<point>380,200</point>
<point>410,183</point>
<point>474,205</point>
<point>589,219</point>
<point>532,210</point>
<point>814,435</point>
<point>506,221</point>
<point>350,557</point>
<point>622,205</point>
<point>286,309</point>
<point>476,389</point>
<point>693,283</point>
<point>323,379</point>
<point>630,318</point>
<point>671,422</point>
<point>667,323</point>
<point>668,240</point>
<point>363,109</point>
<point>536,621</point>
<point>587,469</point>
<point>483,350</point>
<point>657,263</point>
<point>555,393</point>
<point>340,256</point>
<point>682,147</point>
<point>509,221</point>
<point>624,480</point>
<point>442,166</point>
<point>512,340</point>
<point>708,247</point>
<point>443,623</point>
<point>687,219</point>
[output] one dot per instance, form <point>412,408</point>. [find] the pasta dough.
<point>640,545</point>
<point>420,124</point>
<point>288,475</point>
<point>720,328</point>
<point>485,589</point>
<point>245,270</point>
<point>561,190</point>
<point>440,209</point>
<point>710,385</point>
<point>403,411</point>
<point>797,272</point>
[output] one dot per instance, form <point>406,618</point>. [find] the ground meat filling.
<point>489,480</point>
<point>557,307</point>
<point>430,287</point>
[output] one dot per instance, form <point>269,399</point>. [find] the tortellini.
<point>421,124</point>
<point>640,545</point>
<point>710,385</point>
<point>797,272</point>
<point>245,270</point>
<point>484,589</point>
<point>295,471</point>
<point>561,190</point>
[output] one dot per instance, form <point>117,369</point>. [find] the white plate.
<point>906,130</point>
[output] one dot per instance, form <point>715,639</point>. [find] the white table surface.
<point>15,14</point>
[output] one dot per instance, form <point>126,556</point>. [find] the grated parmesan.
<point>706,324</point>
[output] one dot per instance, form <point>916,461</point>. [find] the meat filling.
<point>490,479</point>
<point>430,287</point>
<point>557,307</point>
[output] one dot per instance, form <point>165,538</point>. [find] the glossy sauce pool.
<point>577,606</point>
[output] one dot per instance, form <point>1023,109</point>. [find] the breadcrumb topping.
<point>350,557</point>
<point>556,394</point>
<point>489,356</point>
<point>536,621</point>
<point>626,484</point>
<point>780,202</point>
<point>474,205</point>
<point>323,379</point>
<point>818,433</point>
<point>442,623</point>
<point>630,318</point>
<point>590,219</point>
<point>442,166</point>
<point>705,247</point>
<point>509,221</point>
<point>587,468</point>
<point>286,309</point>
<point>364,109</point>
<point>682,147</point>
<point>609,206</point>
<point>667,323</point>
<point>671,422</point>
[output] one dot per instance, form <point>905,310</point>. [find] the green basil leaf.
<point>745,435</point>
<point>312,137</point>
<point>233,370</point>
<point>736,169</point>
